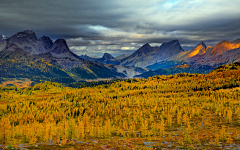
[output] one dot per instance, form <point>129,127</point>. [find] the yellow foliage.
<point>191,105</point>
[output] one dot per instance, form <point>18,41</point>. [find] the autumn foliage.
<point>185,109</point>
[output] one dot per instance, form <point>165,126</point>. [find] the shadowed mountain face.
<point>46,42</point>
<point>170,48</point>
<point>59,46</point>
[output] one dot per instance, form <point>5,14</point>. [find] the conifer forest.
<point>194,111</point>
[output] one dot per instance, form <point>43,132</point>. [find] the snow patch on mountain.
<point>3,37</point>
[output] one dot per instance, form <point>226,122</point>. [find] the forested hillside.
<point>174,111</point>
<point>185,68</point>
<point>37,71</point>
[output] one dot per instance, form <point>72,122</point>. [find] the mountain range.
<point>171,55</point>
<point>200,59</point>
<point>23,51</point>
<point>200,55</point>
<point>24,55</point>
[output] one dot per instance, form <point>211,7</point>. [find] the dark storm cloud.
<point>125,24</point>
<point>58,18</point>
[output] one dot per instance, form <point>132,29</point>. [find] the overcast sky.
<point>93,27</point>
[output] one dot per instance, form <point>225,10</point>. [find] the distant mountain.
<point>106,59</point>
<point>147,55</point>
<point>86,57</point>
<point>122,56</point>
<point>139,57</point>
<point>107,56</point>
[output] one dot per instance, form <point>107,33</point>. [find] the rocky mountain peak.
<point>224,46</point>
<point>200,49</point>
<point>60,41</point>
<point>26,40</point>
<point>59,46</point>
<point>26,33</point>
<point>27,36</point>
<point>171,48</point>
<point>29,32</point>
<point>236,41</point>
<point>46,41</point>
<point>146,45</point>
<point>60,49</point>
<point>202,44</point>
<point>171,44</point>
<point>145,49</point>
<point>107,56</point>
<point>208,47</point>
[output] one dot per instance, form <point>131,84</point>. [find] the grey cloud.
<point>94,51</point>
<point>155,21</point>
